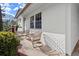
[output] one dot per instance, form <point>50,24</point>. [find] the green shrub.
<point>8,44</point>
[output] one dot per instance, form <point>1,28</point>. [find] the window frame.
<point>38,20</point>
<point>32,22</point>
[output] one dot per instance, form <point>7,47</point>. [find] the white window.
<point>35,21</point>
<point>38,21</point>
<point>32,22</point>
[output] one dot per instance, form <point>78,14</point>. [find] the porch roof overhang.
<point>20,11</point>
<point>30,7</point>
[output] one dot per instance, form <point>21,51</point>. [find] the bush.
<point>8,44</point>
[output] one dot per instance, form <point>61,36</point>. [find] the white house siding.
<point>31,11</point>
<point>53,20</point>
<point>63,16</point>
<point>74,25</point>
<point>59,19</point>
<point>51,13</point>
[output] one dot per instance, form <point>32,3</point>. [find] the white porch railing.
<point>55,41</point>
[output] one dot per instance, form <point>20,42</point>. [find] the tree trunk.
<point>1,23</point>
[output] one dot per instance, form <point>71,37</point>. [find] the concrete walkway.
<point>29,50</point>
